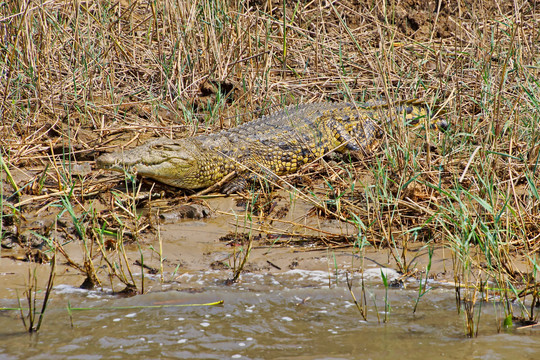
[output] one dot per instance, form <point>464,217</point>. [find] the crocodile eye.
<point>162,147</point>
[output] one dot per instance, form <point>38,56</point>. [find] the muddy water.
<point>294,314</point>
<point>292,303</point>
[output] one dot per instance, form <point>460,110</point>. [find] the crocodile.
<point>273,145</point>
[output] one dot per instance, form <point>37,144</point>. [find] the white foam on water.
<point>64,289</point>
<point>257,276</point>
<point>375,274</point>
<point>313,275</point>
<point>69,289</point>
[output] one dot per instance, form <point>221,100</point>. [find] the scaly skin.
<point>276,144</point>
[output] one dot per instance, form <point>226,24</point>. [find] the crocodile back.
<point>283,141</point>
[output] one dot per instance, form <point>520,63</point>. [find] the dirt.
<point>201,236</point>
<point>217,243</point>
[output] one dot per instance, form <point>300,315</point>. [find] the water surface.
<point>296,314</point>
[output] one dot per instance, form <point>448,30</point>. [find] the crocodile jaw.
<point>168,161</point>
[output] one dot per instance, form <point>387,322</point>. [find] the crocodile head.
<point>172,162</point>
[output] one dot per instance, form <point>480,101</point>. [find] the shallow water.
<point>295,314</point>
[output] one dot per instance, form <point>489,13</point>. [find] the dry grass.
<point>78,78</point>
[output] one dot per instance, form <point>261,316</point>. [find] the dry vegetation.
<point>81,77</point>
